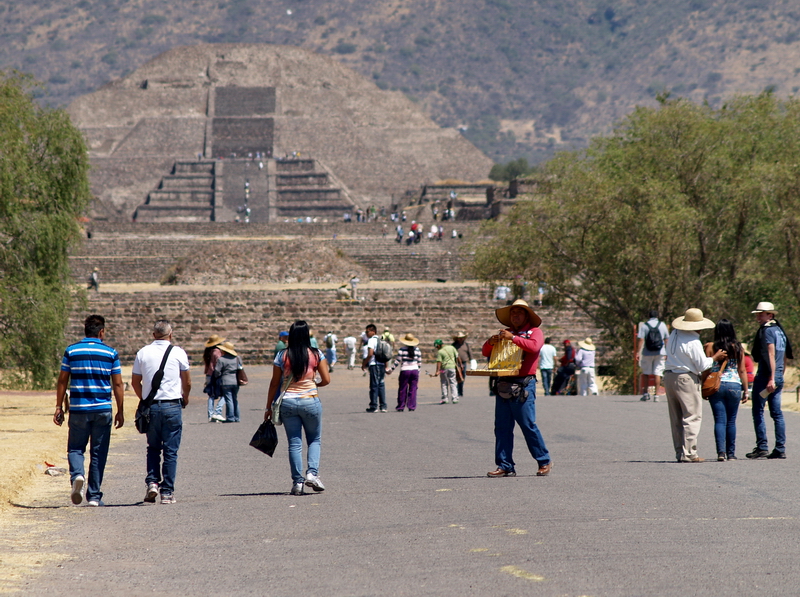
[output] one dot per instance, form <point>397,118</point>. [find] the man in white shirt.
<point>686,360</point>
<point>350,350</point>
<point>547,359</point>
<point>164,431</point>
<point>377,372</point>
<point>651,352</point>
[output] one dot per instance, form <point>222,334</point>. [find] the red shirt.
<point>530,340</point>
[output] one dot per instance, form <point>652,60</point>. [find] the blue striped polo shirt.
<point>90,364</point>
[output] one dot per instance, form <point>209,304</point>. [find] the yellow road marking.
<point>520,573</point>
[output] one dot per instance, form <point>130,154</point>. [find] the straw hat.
<point>213,340</point>
<point>409,340</point>
<point>693,320</point>
<point>504,313</point>
<point>227,347</point>
<point>587,344</point>
<point>745,349</point>
<point>764,307</point>
<point>459,335</point>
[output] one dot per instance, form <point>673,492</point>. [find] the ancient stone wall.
<point>252,319</point>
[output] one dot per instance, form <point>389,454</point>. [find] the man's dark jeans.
<point>377,389</point>
<point>774,403</point>
<point>163,435</point>
<point>83,428</point>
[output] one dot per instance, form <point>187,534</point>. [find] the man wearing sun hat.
<point>523,330</point>
<point>770,348</point>
<point>584,359</point>
<point>686,360</point>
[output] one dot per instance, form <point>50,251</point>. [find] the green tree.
<point>44,189</point>
<point>682,206</point>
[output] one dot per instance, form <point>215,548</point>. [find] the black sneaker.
<point>732,457</point>
<point>775,454</point>
<point>371,410</point>
<point>721,457</point>
<point>756,453</point>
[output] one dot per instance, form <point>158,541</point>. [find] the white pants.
<point>586,382</point>
<point>351,358</point>
<point>449,384</point>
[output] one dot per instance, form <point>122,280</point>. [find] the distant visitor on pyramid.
<point>258,133</point>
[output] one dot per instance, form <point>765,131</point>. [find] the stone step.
<point>184,196</point>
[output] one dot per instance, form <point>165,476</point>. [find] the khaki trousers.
<point>685,412</point>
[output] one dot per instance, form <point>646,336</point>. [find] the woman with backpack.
<point>300,409</point>
<point>732,388</point>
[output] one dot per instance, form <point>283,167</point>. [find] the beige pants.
<point>685,412</point>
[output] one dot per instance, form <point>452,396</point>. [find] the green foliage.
<point>44,189</point>
<point>683,206</point>
<point>511,170</point>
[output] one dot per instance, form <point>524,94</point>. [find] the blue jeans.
<point>230,394</point>
<point>725,407</point>
<point>83,428</point>
<point>506,413</point>
<point>299,414</point>
<point>163,436</point>
<point>213,396</point>
<point>377,389</point>
<point>547,377</point>
<point>774,402</point>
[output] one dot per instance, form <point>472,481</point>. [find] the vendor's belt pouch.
<point>511,388</point>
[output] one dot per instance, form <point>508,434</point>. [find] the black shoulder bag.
<point>142,419</point>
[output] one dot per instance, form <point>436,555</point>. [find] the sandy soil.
<point>28,440</point>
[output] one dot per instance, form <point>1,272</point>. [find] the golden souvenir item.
<point>506,360</point>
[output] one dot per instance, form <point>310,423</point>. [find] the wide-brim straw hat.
<point>587,344</point>
<point>693,320</point>
<point>504,313</point>
<point>764,307</point>
<point>213,340</point>
<point>409,340</point>
<point>227,347</point>
<point>459,335</point>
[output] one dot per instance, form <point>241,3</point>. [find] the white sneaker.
<point>219,418</point>
<point>77,490</point>
<point>167,499</point>
<point>297,489</point>
<point>314,482</point>
<point>152,493</point>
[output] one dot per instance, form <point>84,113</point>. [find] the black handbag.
<point>265,438</point>
<point>142,418</point>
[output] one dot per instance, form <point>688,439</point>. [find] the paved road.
<point>409,510</point>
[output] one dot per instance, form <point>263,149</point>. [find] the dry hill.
<point>523,77</point>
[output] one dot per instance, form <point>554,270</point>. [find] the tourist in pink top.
<point>515,397</point>
<point>301,409</point>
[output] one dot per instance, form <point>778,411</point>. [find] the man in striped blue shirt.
<point>92,371</point>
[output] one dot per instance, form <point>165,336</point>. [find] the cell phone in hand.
<point>60,417</point>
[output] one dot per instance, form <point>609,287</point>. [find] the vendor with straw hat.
<point>686,360</point>
<point>523,330</point>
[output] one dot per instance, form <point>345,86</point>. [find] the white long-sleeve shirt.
<point>685,353</point>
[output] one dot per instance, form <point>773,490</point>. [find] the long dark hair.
<point>207,355</point>
<point>299,347</point>
<point>725,339</point>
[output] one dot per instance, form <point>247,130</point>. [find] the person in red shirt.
<point>749,366</point>
<point>515,397</point>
